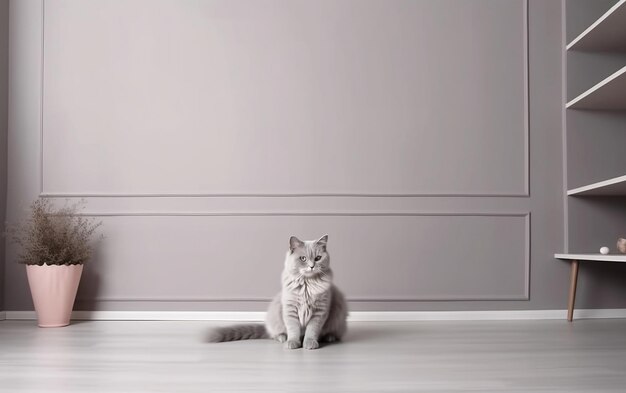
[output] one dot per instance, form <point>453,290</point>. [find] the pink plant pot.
<point>53,288</point>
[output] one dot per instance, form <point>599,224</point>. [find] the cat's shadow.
<point>366,333</point>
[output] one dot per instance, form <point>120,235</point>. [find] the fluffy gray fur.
<point>309,309</point>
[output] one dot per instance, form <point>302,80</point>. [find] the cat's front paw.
<point>293,344</point>
<point>281,338</point>
<point>310,343</point>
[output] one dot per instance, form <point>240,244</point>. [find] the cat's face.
<point>308,258</point>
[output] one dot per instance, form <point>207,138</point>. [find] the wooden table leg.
<point>572,291</point>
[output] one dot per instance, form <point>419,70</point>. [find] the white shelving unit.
<point>608,33</point>
<point>609,94</point>
<point>611,187</point>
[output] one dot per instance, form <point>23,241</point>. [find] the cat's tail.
<point>237,332</point>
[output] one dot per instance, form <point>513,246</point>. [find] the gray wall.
<point>4,122</point>
<point>423,136</point>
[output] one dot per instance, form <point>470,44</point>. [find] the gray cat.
<point>309,305</point>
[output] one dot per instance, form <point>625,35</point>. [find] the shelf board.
<point>592,257</point>
<point>608,33</point>
<point>611,187</point>
<point>609,94</point>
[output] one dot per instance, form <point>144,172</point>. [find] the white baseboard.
<point>355,316</point>
<point>3,315</point>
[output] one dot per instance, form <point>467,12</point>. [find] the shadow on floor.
<point>370,333</point>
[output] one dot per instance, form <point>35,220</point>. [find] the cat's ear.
<point>294,243</point>
<point>322,241</point>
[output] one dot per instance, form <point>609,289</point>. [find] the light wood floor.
<point>519,356</point>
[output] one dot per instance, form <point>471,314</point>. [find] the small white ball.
<point>604,250</point>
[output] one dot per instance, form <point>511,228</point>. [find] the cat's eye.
<point>303,258</point>
<point>317,258</point>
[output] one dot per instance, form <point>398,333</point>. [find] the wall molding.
<point>364,299</point>
<point>3,315</point>
<point>80,194</point>
<point>564,144</point>
<point>87,195</point>
<point>356,316</point>
<point>300,213</point>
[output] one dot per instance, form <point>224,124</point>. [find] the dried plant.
<point>54,236</point>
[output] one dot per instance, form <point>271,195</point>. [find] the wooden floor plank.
<point>481,356</point>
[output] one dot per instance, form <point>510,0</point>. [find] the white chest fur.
<point>309,297</point>
<point>306,305</point>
